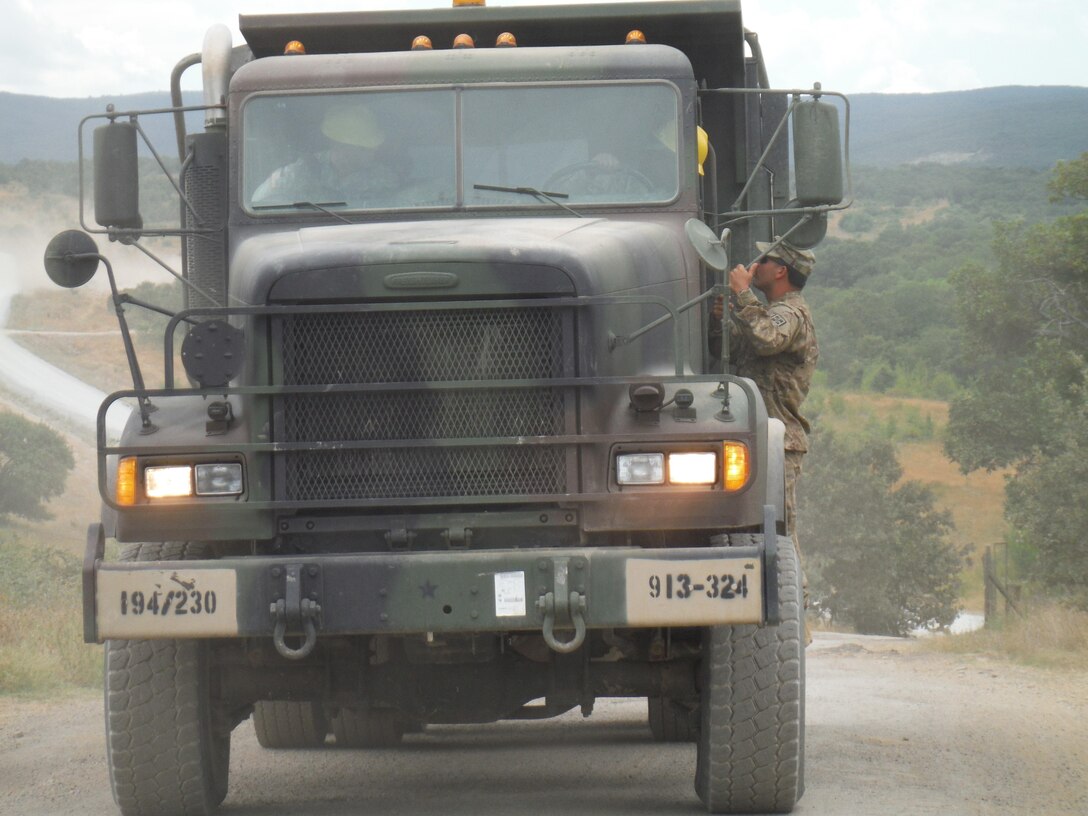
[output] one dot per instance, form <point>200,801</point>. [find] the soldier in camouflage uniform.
<point>774,344</point>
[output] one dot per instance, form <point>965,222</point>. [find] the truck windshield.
<point>589,144</point>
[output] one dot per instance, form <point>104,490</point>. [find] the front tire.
<point>750,756</point>
<point>168,746</point>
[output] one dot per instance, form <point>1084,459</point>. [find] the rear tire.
<point>672,721</point>
<point>367,728</point>
<point>288,724</point>
<point>752,715</point>
<point>167,743</point>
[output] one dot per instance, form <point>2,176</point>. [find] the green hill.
<point>44,128</point>
<point>997,127</point>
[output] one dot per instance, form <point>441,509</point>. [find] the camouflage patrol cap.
<point>800,259</point>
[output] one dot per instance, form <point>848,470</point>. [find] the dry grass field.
<point>976,500</point>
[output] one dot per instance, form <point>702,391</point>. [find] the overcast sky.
<point>78,48</point>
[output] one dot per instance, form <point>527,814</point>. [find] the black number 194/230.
<point>682,586</point>
<point>174,602</point>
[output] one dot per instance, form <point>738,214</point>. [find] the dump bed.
<point>709,32</point>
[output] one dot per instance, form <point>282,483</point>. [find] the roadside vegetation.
<point>41,645</point>
<point>1049,636</point>
<point>973,296</point>
<point>877,549</point>
<point>1025,404</point>
<point>41,630</point>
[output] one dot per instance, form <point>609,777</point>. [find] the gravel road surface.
<point>892,729</point>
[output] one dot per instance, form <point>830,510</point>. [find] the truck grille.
<point>419,347</point>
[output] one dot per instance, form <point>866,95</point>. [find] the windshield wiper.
<point>533,191</point>
<point>297,205</point>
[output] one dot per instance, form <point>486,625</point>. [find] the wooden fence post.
<point>988,582</point>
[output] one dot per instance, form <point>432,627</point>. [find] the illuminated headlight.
<point>640,468</point>
<point>693,468</point>
<point>168,482</point>
<point>219,480</point>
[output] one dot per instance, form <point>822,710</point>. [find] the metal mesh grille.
<point>420,472</point>
<point>424,415</point>
<point>206,260</point>
<point>424,346</point>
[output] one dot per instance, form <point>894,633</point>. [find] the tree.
<point>1025,327</point>
<point>876,551</point>
<point>34,463</point>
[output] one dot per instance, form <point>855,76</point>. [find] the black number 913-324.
<point>173,602</point>
<point>683,586</point>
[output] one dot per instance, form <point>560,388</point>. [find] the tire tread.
<point>752,721</point>
<point>155,728</point>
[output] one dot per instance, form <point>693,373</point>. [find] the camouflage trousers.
<point>793,472</point>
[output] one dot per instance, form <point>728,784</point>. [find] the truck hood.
<point>482,257</point>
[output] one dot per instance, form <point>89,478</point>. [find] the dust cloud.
<point>30,227</point>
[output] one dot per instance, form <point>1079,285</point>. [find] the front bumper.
<point>462,591</point>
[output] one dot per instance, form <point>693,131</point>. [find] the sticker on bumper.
<point>510,594</point>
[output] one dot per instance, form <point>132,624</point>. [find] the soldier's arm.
<point>714,328</point>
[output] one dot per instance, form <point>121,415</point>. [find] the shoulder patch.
<point>778,319</point>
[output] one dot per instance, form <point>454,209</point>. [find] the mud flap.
<point>92,557</point>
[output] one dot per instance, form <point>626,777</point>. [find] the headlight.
<point>177,481</point>
<point>640,469</point>
<point>168,482</point>
<point>693,468</point>
<point>729,468</point>
<point>219,480</point>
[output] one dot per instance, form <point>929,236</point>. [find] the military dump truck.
<point>440,438</point>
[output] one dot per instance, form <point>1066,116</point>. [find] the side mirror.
<point>817,154</point>
<point>71,259</point>
<point>116,176</point>
<point>712,249</point>
<point>805,230</point>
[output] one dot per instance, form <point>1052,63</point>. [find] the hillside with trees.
<point>991,127</point>
<point>885,303</point>
<point>1024,324</point>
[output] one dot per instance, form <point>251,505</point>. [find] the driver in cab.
<point>353,168</point>
<point>647,167</point>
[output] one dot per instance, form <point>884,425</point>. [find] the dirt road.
<point>891,730</point>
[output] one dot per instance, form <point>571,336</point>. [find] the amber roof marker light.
<point>422,43</point>
<point>635,37</point>
<point>506,40</point>
<point>463,41</point>
<point>294,47</point>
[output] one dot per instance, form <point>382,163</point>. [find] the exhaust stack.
<point>215,61</point>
